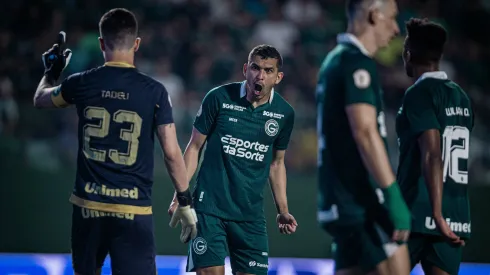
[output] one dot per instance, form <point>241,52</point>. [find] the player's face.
<point>385,25</point>
<point>406,60</point>
<point>261,75</point>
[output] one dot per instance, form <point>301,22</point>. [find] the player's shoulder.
<point>226,91</point>
<point>280,103</point>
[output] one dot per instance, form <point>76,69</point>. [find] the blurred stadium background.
<point>191,46</point>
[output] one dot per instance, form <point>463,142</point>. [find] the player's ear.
<point>374,16</point>
<point>101,44</point>
<point>136,45</point>
<point>245,69</point>
<point>280,75</point>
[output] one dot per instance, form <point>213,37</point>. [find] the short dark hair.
<point>425,40</point>
<point>264,52</point>
<point>119,28</point>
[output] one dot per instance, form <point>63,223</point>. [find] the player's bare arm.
<point>174,162</point>
<point>277,179</point>
<point>364,127</point>
<point>431,160</point>
<point>44,91</point>
<point>363,122</point>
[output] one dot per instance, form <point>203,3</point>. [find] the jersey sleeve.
<point>65,94</point>
<point>358,79</point>
<point>163,113</point>
<point>420,111</point>
<point>207,113</point>
<point>282,141</point>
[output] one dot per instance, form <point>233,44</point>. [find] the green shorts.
<point>432,250</point>
<point>245,242</point>
<point>362,245</point>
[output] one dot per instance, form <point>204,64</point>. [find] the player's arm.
<point>203,124</point>
<point>278,178</point>
<point>363,119</point>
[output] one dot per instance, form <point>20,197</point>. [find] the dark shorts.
<point>431,250</point>
<point>362,245</point>
<point>127,238</point>
<point>245,242</point>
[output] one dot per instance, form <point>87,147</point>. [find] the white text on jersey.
<point>244,148</point>
<point>457,111</point>
<point>115,95</point>
<point>273,115</point>
<point>233,107</point>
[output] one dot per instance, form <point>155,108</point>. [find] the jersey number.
<point>452,153</point>
<point>101,130</point>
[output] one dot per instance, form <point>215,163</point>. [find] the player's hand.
<point>287,223</point>
<point>446,231</point>
<point>172,207</point>
<point>186,216</point>
<point>55,59</point>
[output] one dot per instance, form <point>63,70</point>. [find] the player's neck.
<point>364,37</point>
<point>420,70</point>
<point>119,57</point>
<point>257,103</point>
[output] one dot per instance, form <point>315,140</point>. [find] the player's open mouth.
<point>257,89</point>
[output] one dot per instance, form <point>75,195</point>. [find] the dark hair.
<point>119,28</point>
<point>425,40</point>
<point>264,52</point>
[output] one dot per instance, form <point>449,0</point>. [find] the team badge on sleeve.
<point>362,79</point>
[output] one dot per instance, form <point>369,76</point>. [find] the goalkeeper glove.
<point>186,215</point>
<point>54,60</point>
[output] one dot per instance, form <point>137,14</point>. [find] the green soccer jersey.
<point>434,102</point>
<point>239,148</point>
<point>347,76</point>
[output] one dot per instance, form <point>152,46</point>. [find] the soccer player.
<point>119,110</point>
<point>246,127</point>
<point>433,127</point>
<point>360,204</point>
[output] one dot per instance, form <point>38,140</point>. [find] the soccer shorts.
<point>127,238</point>
<point>432,250</point>
<point>362,245</point>
<point>246,243</point>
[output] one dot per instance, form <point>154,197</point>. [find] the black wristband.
<point>184,198</point>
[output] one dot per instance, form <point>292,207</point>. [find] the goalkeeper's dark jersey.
<point>118,109</point>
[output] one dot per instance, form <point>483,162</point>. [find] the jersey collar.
<point>437,75</point>
<point>243,91</point>
<point>351,39</point>
<point>118,64</point>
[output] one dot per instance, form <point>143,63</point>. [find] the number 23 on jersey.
<point>101,130</point>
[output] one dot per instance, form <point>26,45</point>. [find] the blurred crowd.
<point>194,45</point>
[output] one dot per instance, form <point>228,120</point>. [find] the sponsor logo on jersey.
<point>199,245</point>
<point>254,263</point>
<point>460,227</point>
<point>271,127</point>
<point>243,148</point>
<point>233,107</point>
<point>93,188</point>
<point>362,79</point>
<point>272,115</point>
<point>91,213</point>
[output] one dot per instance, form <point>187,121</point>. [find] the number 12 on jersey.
<point>455,147</point>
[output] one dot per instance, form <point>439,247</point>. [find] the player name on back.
<point>115,95</point>
<point>457,111</point>
<point>93,188</point>
<point>460,227</point>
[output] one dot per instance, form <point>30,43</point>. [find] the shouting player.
<point>433,127</point>
<point>119,110</point>
<point>246,127</point>
<point>360,204</point>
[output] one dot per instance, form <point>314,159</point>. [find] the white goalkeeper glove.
<point>188,219</point>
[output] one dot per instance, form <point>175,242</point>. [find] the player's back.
<point>346,77</point>
<point>118,109</point>
<point>452,115</point>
